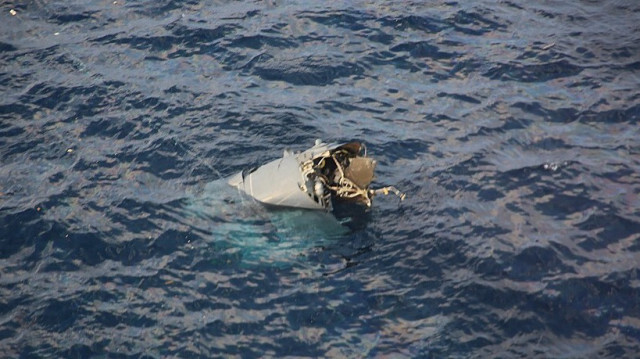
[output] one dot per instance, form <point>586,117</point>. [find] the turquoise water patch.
<point>246,232</point>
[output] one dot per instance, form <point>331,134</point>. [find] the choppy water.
<point>512,126</point>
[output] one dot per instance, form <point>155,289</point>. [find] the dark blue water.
<point>512,126</point>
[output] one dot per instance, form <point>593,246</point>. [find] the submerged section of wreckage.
<point>315,178</point>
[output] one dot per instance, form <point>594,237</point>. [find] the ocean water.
<point>512,126</point>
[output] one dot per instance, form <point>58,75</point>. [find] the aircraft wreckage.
<point>315,178</point>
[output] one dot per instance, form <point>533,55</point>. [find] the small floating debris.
<point>389,189</point>
<point>548,46</point>
<point>69,150</point>
<point>13,12</point>
<point>553,166</point>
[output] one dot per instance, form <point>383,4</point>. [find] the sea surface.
<point>513,127</point>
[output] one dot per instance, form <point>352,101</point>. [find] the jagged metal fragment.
<point>312,179</point>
